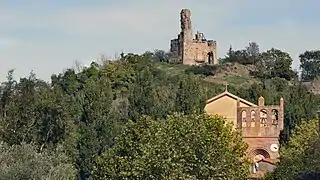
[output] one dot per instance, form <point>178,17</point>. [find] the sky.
<point>46,36</point>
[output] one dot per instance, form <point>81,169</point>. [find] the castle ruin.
<point>191,50</point>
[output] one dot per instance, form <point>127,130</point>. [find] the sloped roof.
<point>226,93</point>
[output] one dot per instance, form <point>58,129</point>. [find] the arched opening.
<point>258,155</point>
<point>262,153</point>
<point>253,115</point>
<point>263,118</point>
<point>244,118</point>
<point>210,57</point>
<point>275,117</point>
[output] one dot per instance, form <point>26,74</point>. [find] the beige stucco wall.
<point>224,106</point>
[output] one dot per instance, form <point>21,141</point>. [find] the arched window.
<point>253,115</point>
<point>244,118</point>
<point>263,118</point>
<point>275,117</point>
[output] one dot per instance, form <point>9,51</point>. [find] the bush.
<point>24,162</point>
<point>205,70</point>
<point>181,147</point>
<point>300,158</point>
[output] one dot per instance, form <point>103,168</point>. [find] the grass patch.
<point>172,69</point>
<point>240,80</point>
<point>201,70</point>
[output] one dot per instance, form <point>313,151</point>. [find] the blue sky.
<point>48,36</point>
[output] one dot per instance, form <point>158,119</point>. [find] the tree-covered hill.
<point>108,120</point>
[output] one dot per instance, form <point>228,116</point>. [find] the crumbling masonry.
<point>189,50</point>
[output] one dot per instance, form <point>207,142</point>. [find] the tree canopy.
<point>83,118</point>
<point>24,162</point>
<point>300,158</point>
<point>310,65</point>
<point>181,147</point>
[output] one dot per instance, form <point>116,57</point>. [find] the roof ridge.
<point>232,95</point>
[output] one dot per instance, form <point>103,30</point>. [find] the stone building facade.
<point>260,126</point>
<point>192,50</point>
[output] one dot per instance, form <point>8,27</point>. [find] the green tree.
<point>120,74</point>
<point>161,56</point>
<point>24,162</point>
<point>19,114</point>
<point>275,63</point>
<point>253,52</point>
<point>301,155</point>
<point>310,65</point>
<point>157,95</point>
<point>300,105</point>
<point>249,55</point>
<point>190,96</point>
<point>54,118</point>
<point>35,113</point>
<point>83,111</point>
<point>7,91</point>
<point>96,125</point>
<point>151,95</point>
<point>181,147</point>
<point>239,56</point>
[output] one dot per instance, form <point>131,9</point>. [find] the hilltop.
<point>91,107</point>
<point>232,72</point>
<point>246,66</point>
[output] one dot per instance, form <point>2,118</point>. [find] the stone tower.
<point>185,34</point>
<point>261,126</point>
<point>191,50</point>
<point>185,24</point>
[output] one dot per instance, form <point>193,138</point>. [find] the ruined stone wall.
<point>185,24</point>
<point>175,49</point>
<point>198,53</point>
<point>192,50</point>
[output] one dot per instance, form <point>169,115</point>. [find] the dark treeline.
<point>128,119</point>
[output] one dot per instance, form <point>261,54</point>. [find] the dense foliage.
<point>205,70</point>
<point>24,162</point>
<point>85,119</point>
<point>300,157</point>
<point>181,147</point>
<point>310,65</point>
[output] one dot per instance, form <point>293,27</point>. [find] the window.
<point>263,118</point>
<point>275,117</point>
<point>253,122</point>
<point>244,118</point>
